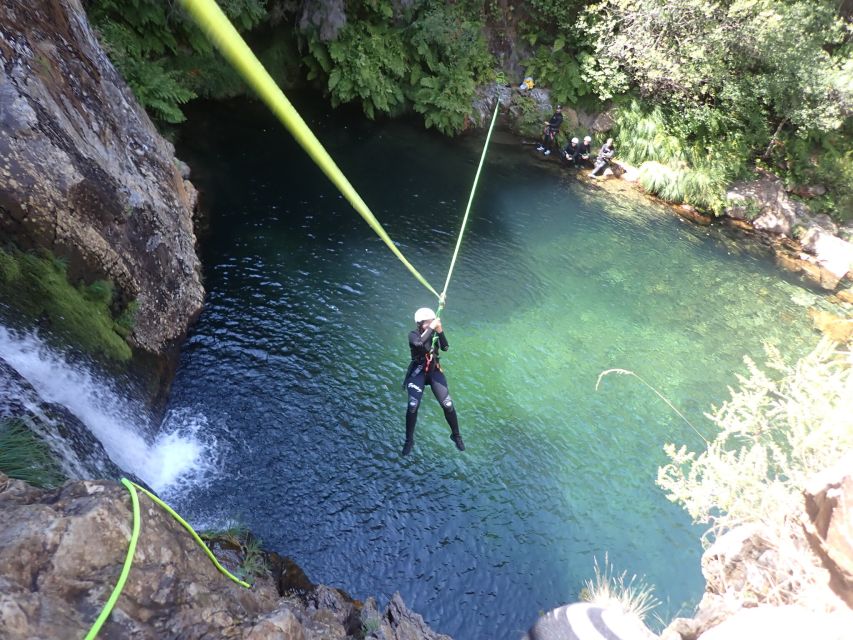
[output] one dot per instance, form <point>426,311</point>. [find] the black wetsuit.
<point>549,137</point>
<point>572,153</point>
<point>585,150</point>
<point>424,369</point>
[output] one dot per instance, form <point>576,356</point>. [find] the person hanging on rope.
<point>425,369</point>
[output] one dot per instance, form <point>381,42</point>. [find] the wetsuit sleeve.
<point>442,342</point>
<point>556,121</point>
<point>422,340</point>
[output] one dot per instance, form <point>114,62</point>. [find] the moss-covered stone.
<point>37,285</point>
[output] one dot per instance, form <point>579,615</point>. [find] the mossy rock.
<point>36,285</point>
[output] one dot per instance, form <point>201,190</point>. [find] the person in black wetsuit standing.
<point>425,369</point>
<point>549,134</point>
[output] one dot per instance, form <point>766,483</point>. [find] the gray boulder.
<point>84,173</point>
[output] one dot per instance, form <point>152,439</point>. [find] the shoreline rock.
<point>61,552</point>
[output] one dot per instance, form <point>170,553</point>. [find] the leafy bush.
<point>819,159</point>
<point>775,433</point>
<point>560,71</point>
<point>164,57</point>
<point>25,456</point>
<point>366,62</point>
<point>450,58</point>
<point>433,64</point>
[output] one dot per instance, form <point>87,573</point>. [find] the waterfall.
<point>181,453</point>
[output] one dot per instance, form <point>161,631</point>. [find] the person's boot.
<point>410,433</point>
<point>457,440</point>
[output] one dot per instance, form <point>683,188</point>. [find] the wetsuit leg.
<point>439,388</point>
<point>415,390</point>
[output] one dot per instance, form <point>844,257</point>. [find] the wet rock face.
<point>84,173</point>
<point>61,553</point>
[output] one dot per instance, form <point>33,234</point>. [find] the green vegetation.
<point>37,285</point>
<point>254,561</point>
<point>370,626</point>
<point>775,433</point>
<point>728,86</point>
<point>705,91</point>
<point>23,455</point>
<point>164,56</point>
<point>430,57</point>
<point>237,537</point>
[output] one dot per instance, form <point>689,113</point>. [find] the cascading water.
<point>178,454</point>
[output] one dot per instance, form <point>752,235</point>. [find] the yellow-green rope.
<point>195,536</point>
<point>220,30</point>
<point>131,550</point>
<point>125,570</point>
<point>470,200</point>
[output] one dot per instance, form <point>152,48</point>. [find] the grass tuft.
<point>25,456</point>
<point>608,588</point>
<point>38,287</point>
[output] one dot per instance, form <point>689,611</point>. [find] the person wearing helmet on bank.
<point>425,369</point>
<point>549,133</point>
<point>572,152</point>
<point>607,151</point>
<point>586,148</point>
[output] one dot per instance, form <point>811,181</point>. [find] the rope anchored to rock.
<point>131,550</point>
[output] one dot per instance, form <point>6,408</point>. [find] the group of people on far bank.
<point>575,153</point>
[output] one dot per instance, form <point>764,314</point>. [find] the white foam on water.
<point>178,456</point>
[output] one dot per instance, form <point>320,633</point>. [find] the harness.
<point>430,358</point>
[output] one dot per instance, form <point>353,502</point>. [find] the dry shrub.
<point>776,432</point>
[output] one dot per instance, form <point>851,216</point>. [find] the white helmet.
<point>575,140</point>
<point>423,314</point>
<point>587,139</point>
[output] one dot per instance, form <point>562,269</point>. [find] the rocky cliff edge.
<point>84,174</point>
<point>61,553</point>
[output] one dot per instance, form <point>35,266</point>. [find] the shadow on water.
<point>297,361</point>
